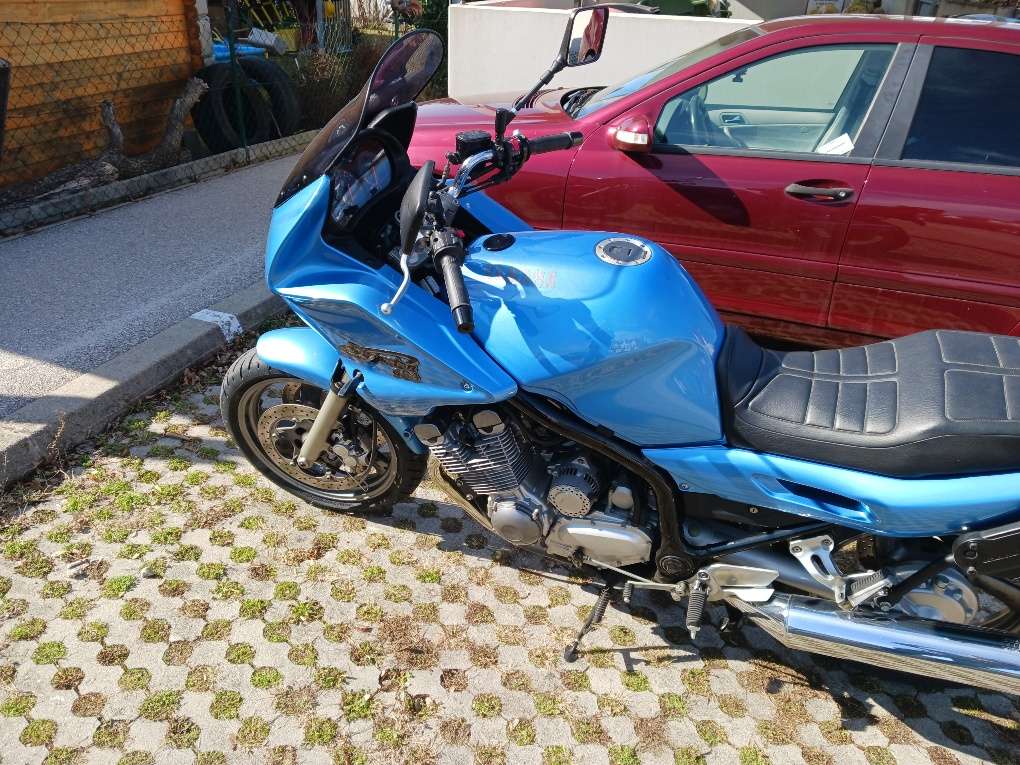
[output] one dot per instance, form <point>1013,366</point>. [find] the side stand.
<point>593,620</point>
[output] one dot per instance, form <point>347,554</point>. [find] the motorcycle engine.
<point>553,500</point>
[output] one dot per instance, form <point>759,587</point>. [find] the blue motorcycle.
<point>576,394</point>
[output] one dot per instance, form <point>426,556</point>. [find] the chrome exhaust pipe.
<point>952,652</point>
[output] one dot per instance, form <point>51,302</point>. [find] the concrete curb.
<point>17,220</point>
<point>85,406</point>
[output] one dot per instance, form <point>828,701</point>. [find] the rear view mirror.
<point>413,207</point>
<point>585,36</point>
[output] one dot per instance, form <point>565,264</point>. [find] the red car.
<point>826,179</point>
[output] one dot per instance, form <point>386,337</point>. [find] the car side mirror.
<point>632,135</point>
<point>584,37</point>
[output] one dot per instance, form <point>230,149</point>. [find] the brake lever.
<point>387,308</point>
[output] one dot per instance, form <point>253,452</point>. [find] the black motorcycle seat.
<point>934,404</point>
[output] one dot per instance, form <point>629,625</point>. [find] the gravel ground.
<point>162,603</point>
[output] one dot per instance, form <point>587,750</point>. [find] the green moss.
<point>27,629</point>
<point>752,755</point>
<point>306,611</point>
<point>117,586</point>
<point>155,631</point>
<point>111,734</point>
<point>253,609</point>
<point>487,705</point>
<point>344,591</point>
<point>211,571</point>
<point>135,609</point>
<point>556,755</point>
<point>228,589</point>
<point>369,612</point>
<point>225,705</point>
<point>17,705</point>
<point>303,654</point>
<point>221,537</point>
<point>357,705</point>
<point>330,678</point>
<point>635,681</point>
<point>373,573</point>
<point>687,755</point>
<point>277,632</point>
<point>160,706</point>
<point>168,535</point>
<point>266,677</point>
<point>622,635</point>
<point>49,653</point>
<point>243,554</point>
<point>711,732</point>
<point>188,553</point>
<point>201,679</point>
<point>240,653</point>
<point>136,679</point>
<point>320,731</point>
<point>623,755</point>
<point>547,705</point>
<point>38,733</point>
<point>252,733</point>
<point>287,591</point>
<point>521,732</point>
<point>673,705</point>
<point>56,589</point>
<point>137,757</point>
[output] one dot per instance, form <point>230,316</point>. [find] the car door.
<point>753,175</point>
<point>935,239</point>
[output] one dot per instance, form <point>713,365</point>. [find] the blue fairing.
<point>339,297</point>
<point>629,348</point>
<point>877,504</point>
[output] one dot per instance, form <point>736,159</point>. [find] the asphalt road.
<point>75,295</point>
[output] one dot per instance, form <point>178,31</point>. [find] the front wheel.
<point>268,412</point>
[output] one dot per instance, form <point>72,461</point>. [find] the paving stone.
<point>272,622</point>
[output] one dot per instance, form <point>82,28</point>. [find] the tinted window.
<point>969,109</point>
<point>809,100</point>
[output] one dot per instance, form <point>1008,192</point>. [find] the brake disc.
<point>281,431</point>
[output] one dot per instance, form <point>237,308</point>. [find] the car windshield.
<point>607,96</point>
<point>402,72</point>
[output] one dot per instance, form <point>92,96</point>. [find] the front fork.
<point>332,408</point>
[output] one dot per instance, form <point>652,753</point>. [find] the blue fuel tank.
<point>611,326</point>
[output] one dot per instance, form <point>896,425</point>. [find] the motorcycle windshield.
<point>401,74</point>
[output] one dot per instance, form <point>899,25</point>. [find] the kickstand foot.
<point>594,618</point>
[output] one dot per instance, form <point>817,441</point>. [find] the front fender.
<point>301,351</point>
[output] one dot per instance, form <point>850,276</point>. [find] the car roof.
<point>980,29</point>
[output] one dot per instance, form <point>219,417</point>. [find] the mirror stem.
<point>544,80</point>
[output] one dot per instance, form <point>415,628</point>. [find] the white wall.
<point>496,49</point>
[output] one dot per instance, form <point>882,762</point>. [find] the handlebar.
<point>555,142</point>
<point>449,255</point>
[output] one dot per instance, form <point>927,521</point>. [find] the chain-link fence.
<point>102,111</point>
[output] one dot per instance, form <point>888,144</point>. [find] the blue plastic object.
<point>894,507</point>
<point>221,52</point>
<point>339,297</point>
<point>630,348</point>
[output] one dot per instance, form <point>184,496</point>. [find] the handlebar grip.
<point>456,291</point>
<point>555,142</point>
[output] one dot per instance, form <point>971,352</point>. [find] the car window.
<point>606,96</point>
<point>969,109</point>
<point>809,100</point>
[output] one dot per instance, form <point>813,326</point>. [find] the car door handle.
<point>729,118</point>
<point>831,193</point>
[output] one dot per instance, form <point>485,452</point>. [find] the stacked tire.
<point>268,108</point>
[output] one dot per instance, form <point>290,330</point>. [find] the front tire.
<point>266,412</point>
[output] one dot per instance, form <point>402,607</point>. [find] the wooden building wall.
<point>67,56</point>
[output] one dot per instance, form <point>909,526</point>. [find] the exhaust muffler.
<point>952,652</point>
